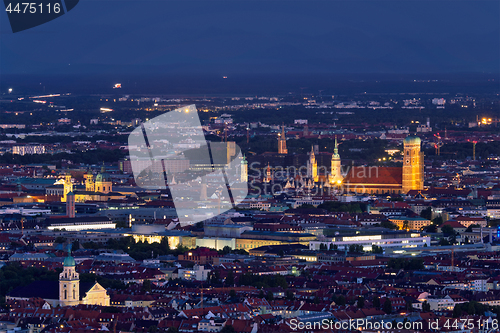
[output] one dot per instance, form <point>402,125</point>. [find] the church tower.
<point>336,168</point>
<point>69,283</point>
<point>244,170</point>
<point>413,165</point>
<point>267,177</point>
<point>282,142</point>
<point>68,186</point>
<point>89,181</point>
<point>312,167</point>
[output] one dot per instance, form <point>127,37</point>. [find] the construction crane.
<point>474,142</point>
<point>438,144</point>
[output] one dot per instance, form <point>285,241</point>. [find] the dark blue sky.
<point>260,36</point>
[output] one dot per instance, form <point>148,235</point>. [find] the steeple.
<point>336,149</point>
<point>282,150</point>
<point>335,177</point>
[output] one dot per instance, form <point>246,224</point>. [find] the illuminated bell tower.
<point>413,165</point>
<point>312,167</point>
<point>336,167</point>
<point>267,177</point>
<point>89,181</point>
<point>282,142</point>
<point>244,170</point>
<point>69,283</point>
<point>68,186</point>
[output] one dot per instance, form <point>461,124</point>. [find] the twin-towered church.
<point>373,179</point>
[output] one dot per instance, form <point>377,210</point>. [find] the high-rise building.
<point>282,142</point>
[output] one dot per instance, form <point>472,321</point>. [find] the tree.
<point>227,329</point>
<point>361,302</point>
<point>340,300</point>
<point>230,278</point>
<point>387,308</point>
<point>232,293</point>
<point>289,295</point>
<point>438,220</point>
<point>146,286</point>
<point>261,294</point>
<point>426,213</point>
<point>270,296</point>
<point>153,329</point>
<point>388,225</point>
<point>426,307</point>
<point>376,302</point>
<point>60,240</point>
<point>172,329</point>
<point>332,247</point>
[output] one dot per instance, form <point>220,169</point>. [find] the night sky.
<point>261,36</point>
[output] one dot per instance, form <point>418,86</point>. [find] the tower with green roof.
<point>69,282</point>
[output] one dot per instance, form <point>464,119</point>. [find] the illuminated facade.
<point>69,288</point>
<point>282,150</point>
<point>413,165</point>
<point>69,283</point>
<point>410,223</point>
<point>336,177</point>
<point>68,187</point>
<point>394,241</point>
<point>312,167</point>
<point>382,180</point>
<point>244,170</point>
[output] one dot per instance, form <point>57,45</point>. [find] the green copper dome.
<point>103,176</point>
<point>412,140</point>
<point>69,261</point>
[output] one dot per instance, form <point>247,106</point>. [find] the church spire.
<point>336,150</point>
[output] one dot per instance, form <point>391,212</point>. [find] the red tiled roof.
<point>374,175</point>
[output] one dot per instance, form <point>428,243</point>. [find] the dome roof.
<point>412,140</point>
<point>103,176</point>
<point>69,261</point>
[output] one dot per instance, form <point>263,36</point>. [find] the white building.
<point>28,150</point>
<point>197,273</point>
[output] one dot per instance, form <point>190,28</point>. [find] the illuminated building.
<point>244,170</point>
<point>68,291</point>
<point>68,186</point>
<point>267,177</point>
<point>394,241</point>
<point>100,189</point>
<point>410,223</point>
<point>282,142</point>
<point>382,180</point>
<point>413,165</point>
<point>312,167</point>
<point>336,168</point>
